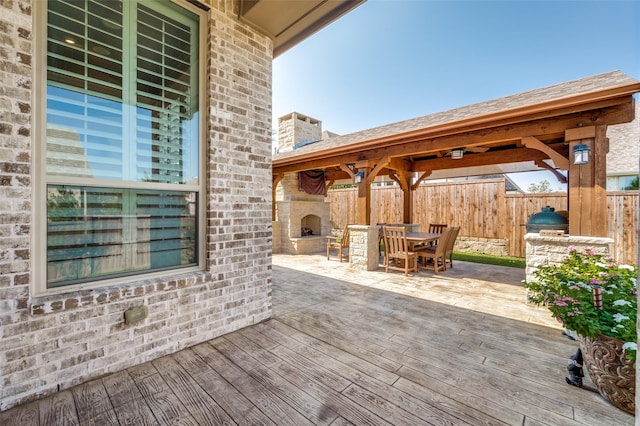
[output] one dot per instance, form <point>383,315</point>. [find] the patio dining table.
<point>414,238</point>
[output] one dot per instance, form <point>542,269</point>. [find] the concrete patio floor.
<point>357,347</point>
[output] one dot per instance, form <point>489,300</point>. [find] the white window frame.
<point>40,181</point>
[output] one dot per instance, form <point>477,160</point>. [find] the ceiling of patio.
<point>519,132</point>
<point>288,22</point>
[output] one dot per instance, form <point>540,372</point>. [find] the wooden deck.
<point>352,347</point>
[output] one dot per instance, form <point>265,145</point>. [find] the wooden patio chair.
<point>448,252</point>
<point>339,243</point>
<point>396,250</point>
<point>436,254</point>
<point>436,228</point>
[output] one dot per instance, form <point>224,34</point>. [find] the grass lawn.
<point>514,262</point>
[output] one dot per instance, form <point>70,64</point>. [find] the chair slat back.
<point>344,240</point>
<point>395,239</point>
<point>444,241</point>
<point>437,227</point>
<point>452,239</point>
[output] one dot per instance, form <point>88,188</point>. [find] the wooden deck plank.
<point>509,398</point>
<point>263,398</point>
<point>246,361</point>
<point>58,409</point>
<point>313,409</point>
<point>223,392</point>
<point>341,404</point>
<point>318,366</point>
<point>341,421</point>
<point>261,340</point>
<point>129,405</point>
<point>141,371</point>
<point>509,360</point>
<point>431,410</point>
<point>385,409</point>
<point>166,405</point>
<point>468,407</point>
<point>360,351</point>
<point>331,318</point>
<point>340,361</point>
<point>93,404</point>
<point>457,369</point>
<point>26,414</point>
<point>203,408</point>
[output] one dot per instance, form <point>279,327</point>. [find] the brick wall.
<point>54,342</point>
<point>624,146</point>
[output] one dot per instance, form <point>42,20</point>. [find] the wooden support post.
<point>404,179</point>
<point>587,183</point>
<point>363,205</point>
<point>407,206</point>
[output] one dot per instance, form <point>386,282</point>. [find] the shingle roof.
<point>573,92</point>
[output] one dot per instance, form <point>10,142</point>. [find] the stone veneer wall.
<point>363,247</point>
<point>50,343</point>
<point>543,250</point>
<point>493,246</point>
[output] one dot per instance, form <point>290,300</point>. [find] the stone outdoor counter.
<point>549,250</point>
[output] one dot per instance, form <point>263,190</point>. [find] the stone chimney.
<point>295,128</point>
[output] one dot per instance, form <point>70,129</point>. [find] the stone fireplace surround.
<point>295,210</point>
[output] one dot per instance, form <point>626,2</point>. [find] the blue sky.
<point>390,60</point>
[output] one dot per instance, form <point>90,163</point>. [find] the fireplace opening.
<point>310,225</point>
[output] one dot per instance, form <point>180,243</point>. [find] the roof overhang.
<point>493,132</point>
<point>288,22</point>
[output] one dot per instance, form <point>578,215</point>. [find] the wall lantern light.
<point>359,176</point>
<point>457,154</point>
<point>581,154</point>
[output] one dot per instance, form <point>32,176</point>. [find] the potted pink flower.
<point>592,295</point>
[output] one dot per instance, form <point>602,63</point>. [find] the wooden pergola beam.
<point>514,155</point>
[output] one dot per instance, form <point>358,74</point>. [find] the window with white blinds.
<point>121,106</point>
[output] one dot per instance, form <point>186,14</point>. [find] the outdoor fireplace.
<point>310,225</point>
<point>303,220</point>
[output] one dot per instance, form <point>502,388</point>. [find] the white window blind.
<point>122,105</point>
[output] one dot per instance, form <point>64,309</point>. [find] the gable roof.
<point>593,92</point>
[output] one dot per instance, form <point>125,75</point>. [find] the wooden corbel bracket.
<point>558,159</point>
<point>423,176</point>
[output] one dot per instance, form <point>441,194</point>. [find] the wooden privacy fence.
<point>483,209</point>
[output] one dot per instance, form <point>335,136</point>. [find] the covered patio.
<point>350,346</point>
<point>543,129</point>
